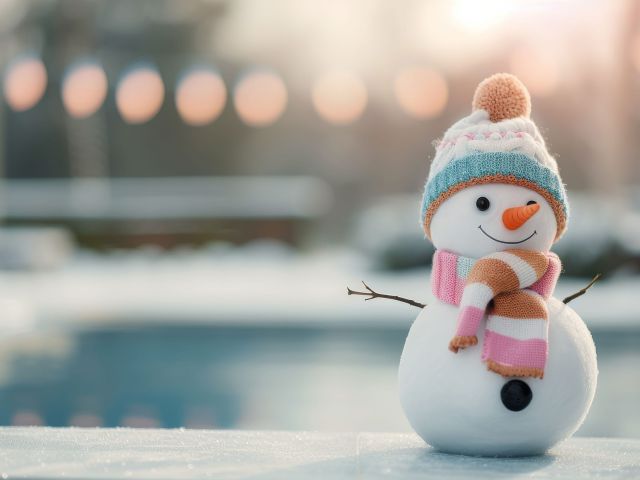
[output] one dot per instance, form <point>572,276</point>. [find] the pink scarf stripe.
<point>446,285</point>
<point>474,316</point>
<point>547,283</point>
<point>512,352</point>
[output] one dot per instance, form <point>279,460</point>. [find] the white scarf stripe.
<point>520,329</point>
<point>477,294</point>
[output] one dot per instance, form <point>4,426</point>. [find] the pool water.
<point>298,377</point>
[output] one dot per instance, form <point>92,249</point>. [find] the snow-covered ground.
<point>264,284</point>
<point>159,454</point>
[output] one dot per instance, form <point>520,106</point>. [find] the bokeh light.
<point>140,94</point>
<point>260,98</point>
<point>84,89</point>
<point>25,83</point>
<point>85,420</point>
<point>200,96</point>
<point>27,418</point>
<point>339,97</point>
<point>421,92</point>
<point>538,72</point>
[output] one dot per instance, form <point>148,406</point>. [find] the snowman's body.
<point>454,403</point>
<point>495,202</point>
<point>451,399</point>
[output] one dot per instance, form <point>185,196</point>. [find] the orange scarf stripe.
<point>494,273</point>
<point>519,305</point>
<point>509,371</point>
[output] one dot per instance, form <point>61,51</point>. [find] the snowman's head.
<point>483,219</point>
<point>493,185</point>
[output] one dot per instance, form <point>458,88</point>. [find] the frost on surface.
<point>157,454</point>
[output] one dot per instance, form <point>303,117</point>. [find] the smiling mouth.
<point>503,241</point>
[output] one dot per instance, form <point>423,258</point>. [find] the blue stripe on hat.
<point>483,164</point>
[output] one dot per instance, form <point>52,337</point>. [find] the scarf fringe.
<point>459,342</point>
<point>513,371</point>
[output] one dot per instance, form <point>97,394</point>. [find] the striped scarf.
<point>511,288</point>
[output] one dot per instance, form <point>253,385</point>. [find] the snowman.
<point>494,365</point>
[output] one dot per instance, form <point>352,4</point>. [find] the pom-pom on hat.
<point>497,143</point>
<point>502,96</point>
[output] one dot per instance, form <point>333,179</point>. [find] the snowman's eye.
<point>531,202</point>
<point>483,203</point>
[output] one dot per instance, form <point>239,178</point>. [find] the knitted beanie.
<point>497,143</point>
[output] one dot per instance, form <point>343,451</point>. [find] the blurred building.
<point>351,93</point>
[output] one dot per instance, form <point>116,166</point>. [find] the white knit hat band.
<point>476,133</point>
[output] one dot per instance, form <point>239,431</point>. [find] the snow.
<point>265,284</point>
<point>459,226</point>
<point>157,454</point>
<point>454,402</point>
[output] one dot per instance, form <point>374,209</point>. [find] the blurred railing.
<point>165,198</point>
<point>113,211</point>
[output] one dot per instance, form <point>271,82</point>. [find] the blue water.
<point>241,377</point>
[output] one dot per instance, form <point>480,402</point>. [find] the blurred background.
<point>187,188</point>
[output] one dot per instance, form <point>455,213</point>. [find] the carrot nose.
<point>514,218</point>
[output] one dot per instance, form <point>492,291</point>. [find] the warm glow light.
<point>25,83</point>
<point>478,16</point>
<point>339,97</point>
<point>26,418</point>
<point>140,421</point>
<point>260,98</point>
<point>85,420</point>
<point>421,92</point>
<point>538,72</point>
<point>139,94</point>
<point>84,90</point>
<point>200,97</point>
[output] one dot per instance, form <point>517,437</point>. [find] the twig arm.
<point>371,294</point>
<point>582,291</point>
